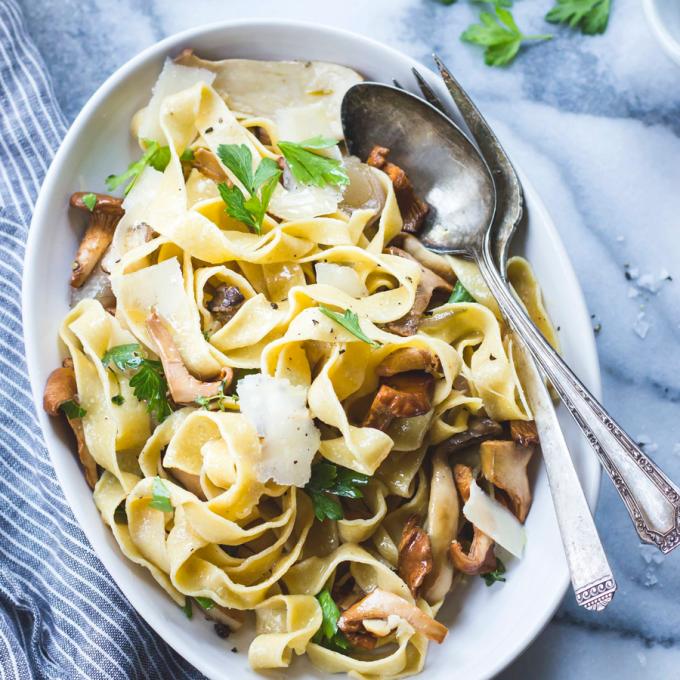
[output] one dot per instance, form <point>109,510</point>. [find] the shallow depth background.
<point>595,123</point>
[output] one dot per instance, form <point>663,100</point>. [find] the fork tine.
<point>396,83</point>
<point>428,92</point>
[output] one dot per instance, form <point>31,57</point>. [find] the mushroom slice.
<point>479,428</point>
<point>524,432</point>
<point>61,387</point>
<point>226,302</point>
<point>207,164</point>
<point>381,604</point>
<point>504,464</point>
<point>401,396</point>
<point>231,618</point>
<point>481,558</point>
<point>415,555</point>
<point>413,209</point>
<point>104,217</point>
<point>409,359</point>
<point>184,388</point>
<point>428,284</point>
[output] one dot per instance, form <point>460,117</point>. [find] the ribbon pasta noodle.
<point>282,400</point>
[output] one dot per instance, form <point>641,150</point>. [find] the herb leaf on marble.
<point>500,36</point>
<point>589,16</point>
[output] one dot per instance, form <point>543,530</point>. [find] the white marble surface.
<point>595,123</point>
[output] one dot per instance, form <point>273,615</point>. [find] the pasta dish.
<point>291,413</point>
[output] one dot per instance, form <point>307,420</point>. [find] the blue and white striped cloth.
<point>61,616</point>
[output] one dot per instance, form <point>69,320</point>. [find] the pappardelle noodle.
<point>292,414</point>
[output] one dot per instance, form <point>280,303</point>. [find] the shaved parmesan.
<point>278,411</point>
<point>303,202</point>
<point>173,78</point>
<point>298,123</point>
<point>341,277</point>
<point>495,520</point>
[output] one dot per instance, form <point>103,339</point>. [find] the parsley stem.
<point>539,36</point>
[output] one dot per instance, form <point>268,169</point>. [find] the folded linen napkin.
<point>61,615</point>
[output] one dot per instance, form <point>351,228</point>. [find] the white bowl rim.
<point>668,42</point>
<point>29,282</point>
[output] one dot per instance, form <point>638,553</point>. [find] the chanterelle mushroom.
<point>408,359</point>
<point>207,164</point>
<point>428,284</point>
<point>381,604</point>
<point>184,388</point>
<point>60,388</point>
<point>481,558</point>
<point>404,395</point>
<point>413,209</point>
<point>415,555</point>
<point>524,432</point>
<point>479,428</point>
<point>225,302</point>
<point>104,217</point>
<point>504,464</point>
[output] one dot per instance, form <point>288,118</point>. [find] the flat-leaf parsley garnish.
<point>160,498</point>
<point>72,409</point>
<point>350,322</point>
<point>590,16</point>
<point>330,480</point>
<point>313,168</point>
<point>148,383</point>
<point>328,634</point>
<point>156,156</point>
<point>500,36</point>
<point>461,294</point>
<point>90,200</point>
<point>260,185</point>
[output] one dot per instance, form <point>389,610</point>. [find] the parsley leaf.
<point>72,409</point>
<point>216,402</point>
<point>90,200</point>
<point>328,634</point>
<point>188,612</point>
<point>328,478</point>
<point>205,602</point>
<point>187,155</point>
<point>124,357</point>
<point>590,16</point>
<point>499,35</point>
<point>311,168</point>
<point>239,160</point>
<point>156,156</point>
<point>496,575</point>
<point>148,383</point>
<point>349,321</point>
<point>118,399</point>
<point>460,294</point>
<point>160,499</point>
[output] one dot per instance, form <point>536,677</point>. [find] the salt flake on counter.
<point>278,410</point>
<point>641,326</point>
<point>633,292</point>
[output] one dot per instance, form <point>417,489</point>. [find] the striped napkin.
<point>61,616</point>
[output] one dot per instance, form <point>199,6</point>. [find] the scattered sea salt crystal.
<point>620,239</point>
<point>650,579</point>
<point>642,659</point>
<point>634,272</point>
<point>633,292</point>
<point>650,554</point>
<point>664,274</point>
<point>641,327</point>
<point>649,283</point>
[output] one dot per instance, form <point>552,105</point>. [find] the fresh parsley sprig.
<point>160,496</point>
<point>205,603</point>
<point>349,321</point>
<point>461,294</point>
<point>589,16</point>
<point>495,575</point>
<point>313,168</point>
<point>500,36</point>
<point>90,200</point>
<point>156,156</point>
<point>328,634</point>
<point>148,383</point>
<point>329,480</point>
<point>250,211</point>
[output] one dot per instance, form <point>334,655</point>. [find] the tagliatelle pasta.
<point>284,400</point>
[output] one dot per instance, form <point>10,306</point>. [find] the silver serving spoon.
<point>592,580</point>
<point>447,170</point>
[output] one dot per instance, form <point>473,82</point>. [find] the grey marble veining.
<point>595,123</point>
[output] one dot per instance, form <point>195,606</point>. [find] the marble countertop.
<point>595,123</point>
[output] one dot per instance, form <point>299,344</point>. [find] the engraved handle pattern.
<point>652,500</point>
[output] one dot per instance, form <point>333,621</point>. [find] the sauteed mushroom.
<point>184,388</point>
<point>479,428</point>
<point>408,359</point>
<point>104,217</point>
<point>381,604</point>
<point>504,464</point>
<point>60,388</point>
<point>207,164</point>
<point>415,555</point>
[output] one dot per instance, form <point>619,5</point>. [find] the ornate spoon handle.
<point>591,576</point>
<point>652,500</point>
